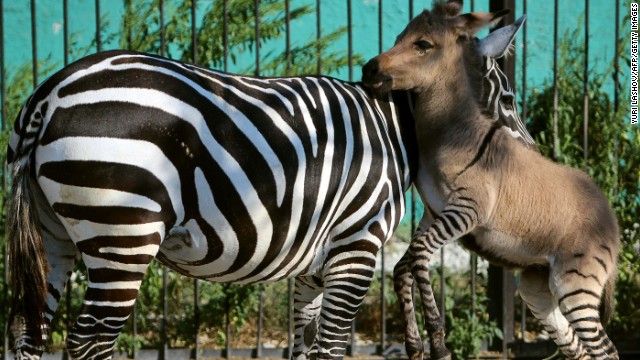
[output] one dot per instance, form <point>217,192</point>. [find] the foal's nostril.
<point>370,69</point>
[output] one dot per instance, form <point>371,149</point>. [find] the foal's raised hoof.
<point>438,350</point>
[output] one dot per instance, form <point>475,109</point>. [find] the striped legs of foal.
<point>577,285</point>
<point>457,219</point>
<point>535,291</point>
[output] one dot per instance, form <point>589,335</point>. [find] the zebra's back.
<point>241,179</point>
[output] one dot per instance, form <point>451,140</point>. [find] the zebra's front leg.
<point>346,283</point>
<point>458,218</point>
<point>306,310</point>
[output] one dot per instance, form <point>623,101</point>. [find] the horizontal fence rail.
<point>502,304</point>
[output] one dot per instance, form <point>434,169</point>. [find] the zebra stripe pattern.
<point>221,177</point>
<point>500,101</point>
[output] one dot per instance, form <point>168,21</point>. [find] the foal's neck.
<point>449,108</point>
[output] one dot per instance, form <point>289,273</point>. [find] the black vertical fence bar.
<point>410,10</point>
<point>523,307</point>
<point>524,66</point>
<point>556,141</point>
<point>501,282</point>
<point>163,38</point>
<point>585,124</point>
<point>165,314</point>
<point>3,114</point>
<point>256,9</point>
<point>3,85</point>
<point>34,43</point>
<point>319,33</point>
<point>196,316</point>
<point>260,319</point>
<point>474,280</point>
<point>443,291</point>
<point>290,286</point>
<point>616,64</point>
<point>227,330</point>
<point>98,26</point>
<point>350,39</point>
<point>134,329</point>
<point>194,33</point>
<point>225,37</point>
<point>287,38</point>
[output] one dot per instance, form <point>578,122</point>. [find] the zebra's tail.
<point>607,304</point>
<point>28,262</point>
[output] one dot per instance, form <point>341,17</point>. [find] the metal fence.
<point>501,289</point>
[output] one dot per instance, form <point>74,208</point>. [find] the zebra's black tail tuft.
<point>27,258</point>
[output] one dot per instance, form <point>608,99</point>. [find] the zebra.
<point>123,157</point>
<point>504,200</point>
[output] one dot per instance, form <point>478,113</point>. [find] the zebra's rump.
<point>242,179</point>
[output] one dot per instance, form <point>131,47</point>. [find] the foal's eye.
<point>422,45</point>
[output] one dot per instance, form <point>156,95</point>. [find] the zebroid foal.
<point>508,203</point>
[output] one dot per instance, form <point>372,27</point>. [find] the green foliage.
<point>469,330</point>
<point>141,32</point>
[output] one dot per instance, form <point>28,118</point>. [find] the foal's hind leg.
<point>577,283</point>
<point>535,291</point>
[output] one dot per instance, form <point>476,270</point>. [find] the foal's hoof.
<point>441,354</point>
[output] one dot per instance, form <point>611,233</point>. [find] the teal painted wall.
<point>334,15</point>
<point>365,29</point>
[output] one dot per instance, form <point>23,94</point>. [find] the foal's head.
<point>435,48</point>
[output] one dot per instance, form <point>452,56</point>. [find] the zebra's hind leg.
<point>62,256</point>
<point>115,266</point>
<point>535,291</point>
<point>306,311</point>
<point>403,286</point>
<point>577,283</point>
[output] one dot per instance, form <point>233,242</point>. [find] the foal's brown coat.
<point>507,202</point>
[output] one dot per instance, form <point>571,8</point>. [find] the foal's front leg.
<point>403,286</point>
<point>458,218</point>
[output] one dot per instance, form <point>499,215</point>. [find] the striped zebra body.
<point>222,177</point>
<point>128,157</point>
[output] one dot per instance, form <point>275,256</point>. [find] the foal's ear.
<point>497,43</point>
<point>451,8</point>
<point>471,23</point>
